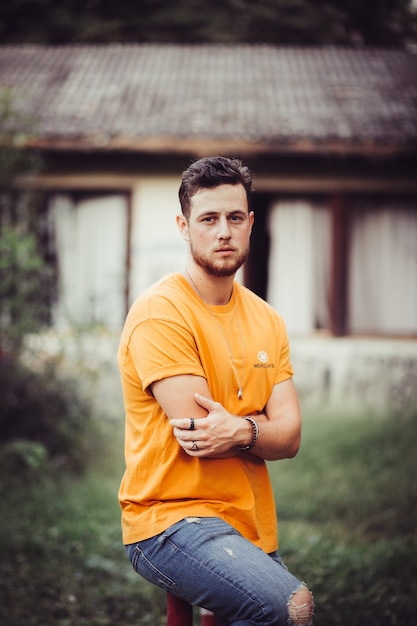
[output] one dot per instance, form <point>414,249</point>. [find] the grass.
<point>347,508</point>
<point>62,561</point>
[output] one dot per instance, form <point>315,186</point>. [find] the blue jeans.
<point>209,564</point>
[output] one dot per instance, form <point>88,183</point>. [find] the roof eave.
<point>201,146</point>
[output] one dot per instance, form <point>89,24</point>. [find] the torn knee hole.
<point>301,607</point>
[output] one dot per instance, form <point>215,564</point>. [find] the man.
<point>209,397</point>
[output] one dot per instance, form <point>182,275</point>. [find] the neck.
<point>214,290</point>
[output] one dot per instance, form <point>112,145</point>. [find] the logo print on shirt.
<point>263,357</point>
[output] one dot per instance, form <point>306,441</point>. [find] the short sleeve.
<point>163,348</point>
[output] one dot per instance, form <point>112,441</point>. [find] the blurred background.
<point>102,106</point>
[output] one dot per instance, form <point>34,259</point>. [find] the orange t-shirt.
<point>169,331</point>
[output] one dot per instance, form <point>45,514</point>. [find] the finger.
<point>190,446</point>
<point>182,435</point>
<point>183,423</point>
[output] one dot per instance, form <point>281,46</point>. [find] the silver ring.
<point>194,446</point>
<point>192,425</point>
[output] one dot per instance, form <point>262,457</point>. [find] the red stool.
<point>180,613</point>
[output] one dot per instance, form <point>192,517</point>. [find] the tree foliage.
<point>27,281</point>
<point>42,417</point>
<point>209,21</point>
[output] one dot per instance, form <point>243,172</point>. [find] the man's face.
<point>218,229</point>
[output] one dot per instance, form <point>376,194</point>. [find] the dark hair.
<point>211,172</point>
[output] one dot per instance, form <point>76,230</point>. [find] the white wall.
<point>342,375</point>
<point>333,376</point>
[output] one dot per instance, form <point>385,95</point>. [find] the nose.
<point>224,229</point>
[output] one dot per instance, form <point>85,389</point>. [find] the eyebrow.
<point>209,213</point>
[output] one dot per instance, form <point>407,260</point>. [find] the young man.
<point>209,396</point>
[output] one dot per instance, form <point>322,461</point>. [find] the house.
<point>331,136</point>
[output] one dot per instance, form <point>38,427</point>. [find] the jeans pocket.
<point>143,566</point>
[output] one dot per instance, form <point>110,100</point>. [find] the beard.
<point>220,268</point>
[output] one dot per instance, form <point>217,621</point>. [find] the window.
<point>91,244</point>
<point>345,265</point>
<point>383,267</point>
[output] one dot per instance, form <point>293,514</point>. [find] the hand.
<point>213,436</point>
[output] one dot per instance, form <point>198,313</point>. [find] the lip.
<point>225,249</point>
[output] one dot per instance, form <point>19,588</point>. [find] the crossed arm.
<point>218,432</point>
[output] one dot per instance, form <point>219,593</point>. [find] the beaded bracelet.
<point>255,433</point>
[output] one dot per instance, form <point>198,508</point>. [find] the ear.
<point>251,220</point>
<point>183,227</point>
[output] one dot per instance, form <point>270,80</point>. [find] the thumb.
<point>205,402</point>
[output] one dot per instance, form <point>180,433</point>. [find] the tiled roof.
<point>133,96</point>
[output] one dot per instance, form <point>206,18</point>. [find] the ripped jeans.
<point>209,564</point>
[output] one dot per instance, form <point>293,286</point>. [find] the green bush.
<point>28,276</point>
<point>26,286</point>
<point>23,458</point>
<point>46,412</point>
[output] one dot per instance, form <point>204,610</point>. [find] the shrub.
<point>26,459</point>
<point>28,279</point>
<point>26,287</point>
<point>41,408</point>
